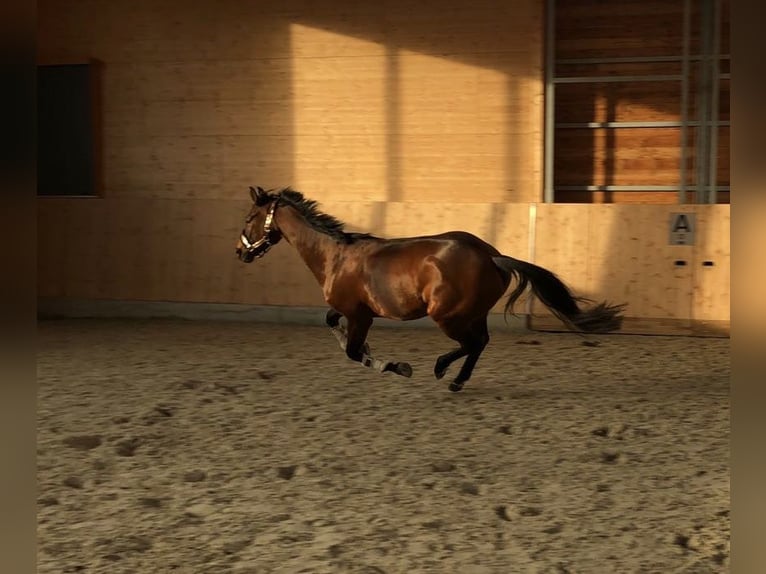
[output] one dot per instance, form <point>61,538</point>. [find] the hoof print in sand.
<point>127,545</point>
<point>287,472</point>
<point>236,546</point>
<point>74,482</point>
<point>553,529</point>
<point>530,511</point>
<point>191,384</point>
<point>164,410</point>
<point>469,488</point>
<point>199,511</point>
<point>442,466</point>
<point>128,447</point>
<point>612,457</point>
<point>195,476</point>
<point>150,502</point>
<point>83,442</point>
<point>48,501</point>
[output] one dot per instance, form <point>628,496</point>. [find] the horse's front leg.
<point>332,319</point>
<point>357,349</point>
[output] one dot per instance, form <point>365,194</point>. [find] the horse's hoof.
<point>439,374</point>
<point>455,387</point>
<point>403,369</point>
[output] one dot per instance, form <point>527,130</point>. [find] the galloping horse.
<point>455,278</point>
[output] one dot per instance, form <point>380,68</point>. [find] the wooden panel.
<point>631,156</point>
<point>614,252</point>
<point>201,101</point>
<point>462,168</point>
<point>561,244</point>
<point>159,161</point>
<point>338,100</point>
<point>141,249</point>
<point>594,29</point>
<point>724,155</point>
<point>590,28</point>
<point>630,101</point>
<point>623,197</point>
<point>622,254</point>
<point>630,257</point>
<point>259,81</point>
<point>712,292</point>
<point>618,102</point>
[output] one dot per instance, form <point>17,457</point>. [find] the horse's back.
<point>456,238</point>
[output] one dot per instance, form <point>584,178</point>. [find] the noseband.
<point>260,247</point>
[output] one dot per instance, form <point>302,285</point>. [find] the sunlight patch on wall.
<point>339,114</point>
<point>453,120</point>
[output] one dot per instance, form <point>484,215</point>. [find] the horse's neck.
<point>315,248</point>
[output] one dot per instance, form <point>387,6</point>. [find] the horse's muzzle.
<point>245,256</point>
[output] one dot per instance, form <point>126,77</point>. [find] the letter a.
<point>681,223</point>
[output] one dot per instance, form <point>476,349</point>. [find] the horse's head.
<point>260,232</point>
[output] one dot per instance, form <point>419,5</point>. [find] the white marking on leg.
<point>340,334</point>
<point>374,363</point>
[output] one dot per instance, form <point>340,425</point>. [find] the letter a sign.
<point>682,228</point>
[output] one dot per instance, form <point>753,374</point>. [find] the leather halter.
<point>260,247</point>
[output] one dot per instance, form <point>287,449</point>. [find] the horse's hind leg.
<point>472,343</point>
<point>444,361</point>
<point>479,339</point>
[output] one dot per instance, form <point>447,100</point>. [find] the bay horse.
<point>455,278</point>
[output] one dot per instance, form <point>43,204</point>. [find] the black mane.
<point>318,220</point>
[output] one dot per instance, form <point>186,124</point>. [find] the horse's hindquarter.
<point>410,278</point>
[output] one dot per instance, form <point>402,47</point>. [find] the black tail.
<point>601,318</point>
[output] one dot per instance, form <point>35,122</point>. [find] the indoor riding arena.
<point>201,412</point>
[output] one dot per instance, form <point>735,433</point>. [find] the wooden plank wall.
<point>622,253</point>
<point>121,249</point>
<point>400,118</point>
<point>183,250</point>
<point>629,156</point>
<point>378,110</point>
<point>425,102</point>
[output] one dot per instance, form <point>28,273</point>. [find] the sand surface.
<point>200,447</point>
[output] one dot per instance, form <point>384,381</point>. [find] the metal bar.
<point>703,102</point>
<point>684,101</point>
<point>593,125</point>
<point>629,187</point>
<point>610,79</point>
<point>631,60</point>
<point>712,196</point>
<point>550,99</point>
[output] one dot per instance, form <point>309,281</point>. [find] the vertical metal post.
<point>703,102</point>
<point>715,87</point>
<point>550,63</point>
<point>684,102</point>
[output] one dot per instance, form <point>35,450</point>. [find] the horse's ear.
<point>257,194</point>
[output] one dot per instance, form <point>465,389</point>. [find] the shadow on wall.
<point>442,93</point>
